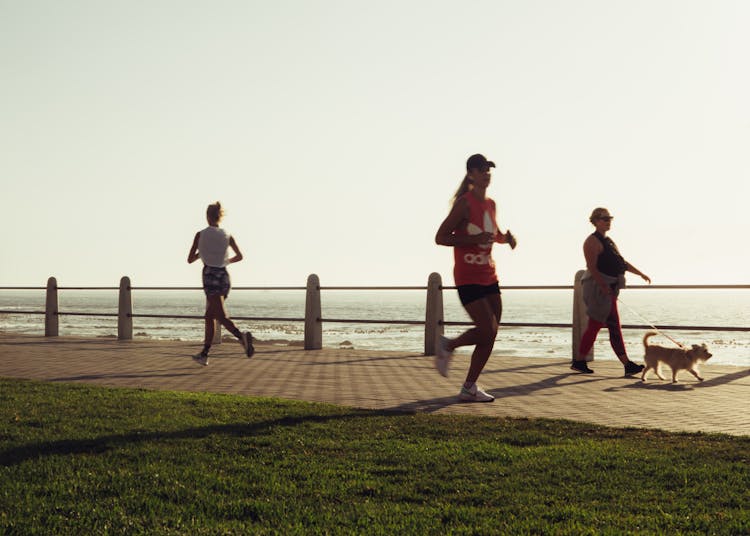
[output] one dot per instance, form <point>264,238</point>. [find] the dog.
<point>677,358</point>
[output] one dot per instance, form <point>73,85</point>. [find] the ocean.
<point>657,306</point>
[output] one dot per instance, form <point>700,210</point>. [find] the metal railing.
<point>314,320</point>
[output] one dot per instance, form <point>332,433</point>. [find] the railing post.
<point>51,320</point>
<point>580,318</point>
<point>125,311</point>
<point>313,325</point>
<point>433,322</point>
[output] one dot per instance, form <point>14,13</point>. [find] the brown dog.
<point>677,358</point>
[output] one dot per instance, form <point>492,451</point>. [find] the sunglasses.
<point>606,218</point>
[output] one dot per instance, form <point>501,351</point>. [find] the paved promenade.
<point>523,387</point>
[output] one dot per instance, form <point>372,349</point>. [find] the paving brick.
<point>523,387</point>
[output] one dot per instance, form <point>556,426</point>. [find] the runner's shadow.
<point>550,382</point>
<point>144,374</point>
<point>373,359</point>
<point>427,406</point>
<point>106,443</point>
<point>526,368</point>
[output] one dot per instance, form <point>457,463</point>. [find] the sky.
<point>335,132</point>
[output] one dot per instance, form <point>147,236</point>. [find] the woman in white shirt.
<point>211,245</point>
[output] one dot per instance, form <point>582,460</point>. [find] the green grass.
<point>78,459</point>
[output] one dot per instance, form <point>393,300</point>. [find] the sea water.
<point>637,307</point>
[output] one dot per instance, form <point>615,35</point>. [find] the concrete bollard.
<point>580,318</point>
<point>433,322</point>
<point>51,320</point>
<point>125,311</point>
<point>313,325</point>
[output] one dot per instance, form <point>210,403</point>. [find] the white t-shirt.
<point>213,246</point>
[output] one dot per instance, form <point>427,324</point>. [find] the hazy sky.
<point>335,133</point>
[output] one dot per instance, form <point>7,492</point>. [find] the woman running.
<point>471,230</point>
<point>211,245</point>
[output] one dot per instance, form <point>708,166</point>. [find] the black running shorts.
<point>470,293</point>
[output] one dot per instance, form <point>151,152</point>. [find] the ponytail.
<point>462,189</point>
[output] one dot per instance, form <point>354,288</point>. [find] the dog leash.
<point>660,332</point>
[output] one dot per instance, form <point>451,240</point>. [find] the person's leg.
<point>214,307</point>
<point>615,333</point>
<point>246,338</point>
<point>220,313</point>
<point>208,334</point>
<point>588,338</point>
<point>617,341</point>
<point>211,287</point>
<point>587,343</point>
<point>485,313</point>
<point>467,294</point>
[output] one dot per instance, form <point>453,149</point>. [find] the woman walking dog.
<point>604,277</point>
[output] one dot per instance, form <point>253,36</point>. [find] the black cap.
<point>478,161</point>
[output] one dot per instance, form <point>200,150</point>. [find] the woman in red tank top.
<point>471,230</point>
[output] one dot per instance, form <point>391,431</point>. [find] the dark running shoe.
<point>581,366</point>
<point>247,342</point>
<point>632,368</point>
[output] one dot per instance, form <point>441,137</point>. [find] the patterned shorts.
<point>216,281</point>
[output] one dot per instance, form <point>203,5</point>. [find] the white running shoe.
<point>201,359</point>
<point>475,394</point>
<point>443,357</point>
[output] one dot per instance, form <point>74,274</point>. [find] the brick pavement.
<point>524,387</point>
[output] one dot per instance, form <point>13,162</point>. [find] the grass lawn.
<point>78,459</point>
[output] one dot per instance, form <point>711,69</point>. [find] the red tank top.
<point>474,264</point>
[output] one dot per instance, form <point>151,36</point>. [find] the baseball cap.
<point>478,161</point>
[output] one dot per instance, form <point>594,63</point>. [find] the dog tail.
<point>646,337</point>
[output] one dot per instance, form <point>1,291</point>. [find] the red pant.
<point>615,332</point>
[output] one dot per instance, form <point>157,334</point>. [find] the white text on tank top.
<point>213,245</point>
<point>474,264</point>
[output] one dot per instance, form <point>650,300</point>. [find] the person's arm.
<point>237,253</point>
<point>446,235</point>
<point>193,253</point>
<point>633,270</point>
<point>592,248</point>
<point>505,238</point>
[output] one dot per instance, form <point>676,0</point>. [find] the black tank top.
<point>610,261</point>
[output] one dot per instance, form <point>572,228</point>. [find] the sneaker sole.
<point>464,398</point>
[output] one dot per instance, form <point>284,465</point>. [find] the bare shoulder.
<point>461,205</point>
